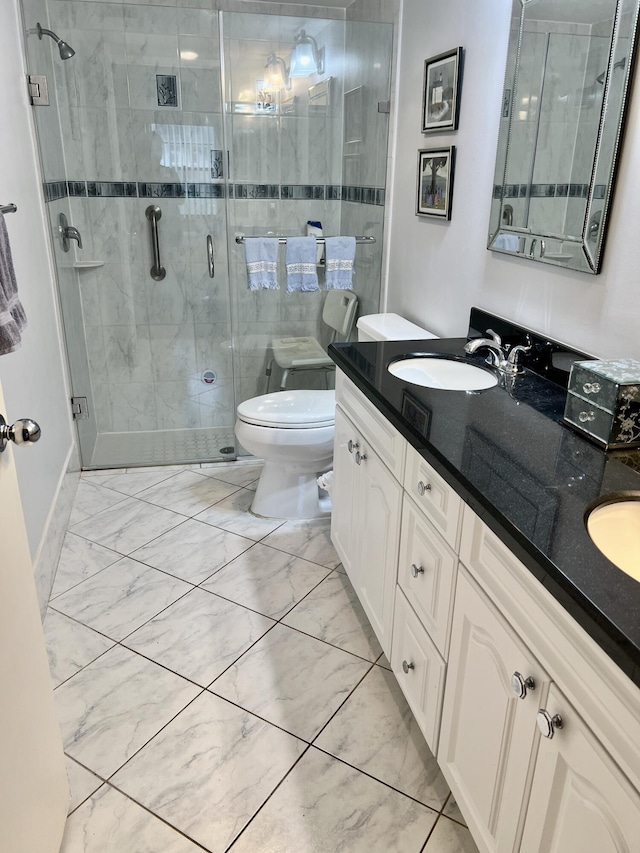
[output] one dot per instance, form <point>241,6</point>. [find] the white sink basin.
<point>444,373</point>
<point>614,528</point>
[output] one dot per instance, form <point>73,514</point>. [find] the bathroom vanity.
<point>459,520</point>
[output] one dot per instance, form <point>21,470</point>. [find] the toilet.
<point>293,432</point>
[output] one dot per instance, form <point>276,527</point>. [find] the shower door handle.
<point>153,214</point>
<point>210,259</point>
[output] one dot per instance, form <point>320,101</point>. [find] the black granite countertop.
<point>527,475</point>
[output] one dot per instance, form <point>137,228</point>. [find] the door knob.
<point>23,431</point>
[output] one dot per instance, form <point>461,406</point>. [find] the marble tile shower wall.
<point>548,122</point>
<point>148,343</point>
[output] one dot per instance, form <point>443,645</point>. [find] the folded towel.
<point>340,254</point>
<point>301,264</point>
<point>12,316</point>
<point>510,242</point>
<point>262,262</point>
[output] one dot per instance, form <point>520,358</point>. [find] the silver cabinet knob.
<point>23,431</point>
<point>521,684</point>
<point>352,445</point>
<point>416,570</point>
<point>591,387</point>
<point>548,724</point>
<point>585,417</point>
<point>406,666</point>
<point>423,487</point>
<point>360,457</point>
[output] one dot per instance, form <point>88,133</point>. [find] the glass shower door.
<point>133,138</point>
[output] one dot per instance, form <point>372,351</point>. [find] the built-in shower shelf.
<point>88,265</point>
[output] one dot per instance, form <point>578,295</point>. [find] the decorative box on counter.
<point>603,401</point>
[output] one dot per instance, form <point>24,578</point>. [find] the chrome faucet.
<point>501,357</point>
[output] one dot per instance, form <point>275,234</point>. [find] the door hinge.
<point>79,408</point>
<point>38,90</point>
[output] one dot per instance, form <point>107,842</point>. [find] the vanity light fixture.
<point>306,57</point>
<point>277,73</point>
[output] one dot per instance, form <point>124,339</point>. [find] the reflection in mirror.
<point>568,72</point>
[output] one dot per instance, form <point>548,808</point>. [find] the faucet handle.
<point>495,336</point>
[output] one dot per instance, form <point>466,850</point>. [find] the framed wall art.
<point>435,182</point>
<point>441,91</point>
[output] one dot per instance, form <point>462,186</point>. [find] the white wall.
<point>437,270</point>
<point>33,377</point>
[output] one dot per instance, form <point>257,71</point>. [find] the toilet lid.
<point>289,409</point>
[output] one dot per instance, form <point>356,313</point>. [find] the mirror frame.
<point>584,253</point>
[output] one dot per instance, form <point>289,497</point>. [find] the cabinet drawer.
<point>435,497</point>
<point>427,574</point>
<point>419,669</point>
<point>384,438</point>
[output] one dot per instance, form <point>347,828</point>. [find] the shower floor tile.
<point>124,449</point>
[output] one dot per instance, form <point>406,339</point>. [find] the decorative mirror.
<point>568,72</point>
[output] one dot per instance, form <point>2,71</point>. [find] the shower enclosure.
<point>165,138</point>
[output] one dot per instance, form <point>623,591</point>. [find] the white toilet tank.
<point>389,327</point>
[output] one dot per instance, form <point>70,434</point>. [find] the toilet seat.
<point>302,409</point>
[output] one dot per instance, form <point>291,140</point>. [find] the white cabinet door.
<point>33,783</point>
<point>379,497</point>
<point>580,800</point>
<point>344,512</point>
<point>488,733</point>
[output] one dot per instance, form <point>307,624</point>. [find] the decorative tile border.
<point>548,191</point>
<point>54,190</point>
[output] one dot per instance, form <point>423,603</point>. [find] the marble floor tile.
<point>79,559</point>
<point>376,732</point>
<point>128,525</point>
<point>266,580</point>
<point>383,661</point>
<point>188,492</point>
<point>115,705</point>
<point>239,473</point>
<point>82,783</point>
<point>70,646</point>
<point>199,636</point>
<point>210,770</point>
<point>193,551</point>
<point>333,613</point>
<point>450,837</point>
<point>292,680</point>
<point>91,499</point>
<point>324,806</point>
<point>121,598</point>
<point>451,810</point>
<point>233,514</point>
<point>308,539</point>
<point>130,483</point>
<point>111,823</point>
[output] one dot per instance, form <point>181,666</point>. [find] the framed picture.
<point>435,182</point>
<point>441,92</point>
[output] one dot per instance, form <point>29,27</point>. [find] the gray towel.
<point>262,262</point>
<point>301,264</point>
<point>340,253</point>
<point>12,316</point>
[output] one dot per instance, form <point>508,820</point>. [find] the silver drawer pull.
<point>423,488</point>
<point>406,666</point>
<point>548,724</point>
<point>360,457</point>
<point>521,685</point>
<point>585,417</point>
<point>352,445</point>
<point>416,570</point>
<point>591,387</point>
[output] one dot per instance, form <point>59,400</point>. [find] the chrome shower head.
<point>66,51</point>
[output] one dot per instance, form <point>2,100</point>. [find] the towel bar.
<point>8,208</point>
<point>321,240</point>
